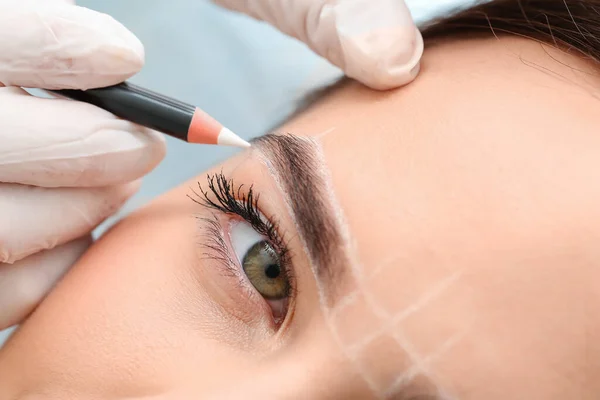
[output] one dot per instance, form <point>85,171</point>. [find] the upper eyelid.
<point>245,205</point>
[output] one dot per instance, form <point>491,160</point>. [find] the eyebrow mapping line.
<point>270,151</point>
<point>298,167</point>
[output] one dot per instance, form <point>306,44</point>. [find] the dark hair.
<point>571,25</point>
<point>566,24</point>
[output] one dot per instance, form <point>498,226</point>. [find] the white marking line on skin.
<point>344,302</point>
<point>419,303</point>
<point>325,133</point>
<point>350,297</point>
<point>335,205</point>
<point>352,358</point>
<point>358,273</point>
<point>345,233</point>
<point>350,251</point>
<point>416,359</point>
<point>404,345</point>
<point>412,372</point>
<point>428,296</point>
<point>385,263</point>
<point>422,364</point>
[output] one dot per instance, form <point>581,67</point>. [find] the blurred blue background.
<point>243,72</point>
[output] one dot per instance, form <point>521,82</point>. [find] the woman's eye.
<point>262,265</point>
<point>263,269</point>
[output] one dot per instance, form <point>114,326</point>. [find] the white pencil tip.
<point>228,138</point>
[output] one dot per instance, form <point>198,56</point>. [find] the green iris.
<point>263,268</point>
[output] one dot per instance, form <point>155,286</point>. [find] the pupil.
<point>272,271</point>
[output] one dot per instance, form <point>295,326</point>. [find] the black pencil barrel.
<point>140,106</point>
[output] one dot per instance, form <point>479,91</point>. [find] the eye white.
<point>243,237</point>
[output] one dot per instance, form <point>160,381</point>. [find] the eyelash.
<point>243,204</point>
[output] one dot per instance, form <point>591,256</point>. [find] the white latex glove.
<point>373,41</point>
<point>64,166</point>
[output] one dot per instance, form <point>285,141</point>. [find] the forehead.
<point>455,189</point>
<point>483,115</point>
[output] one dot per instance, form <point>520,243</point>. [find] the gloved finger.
<point>56,142</point>
<point>373,41</point>
<point>56,45</point>
<point>24,284</point>
<point>35,219</point>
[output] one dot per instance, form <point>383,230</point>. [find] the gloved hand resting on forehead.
<point>66,166</point>
<point>374,41</point>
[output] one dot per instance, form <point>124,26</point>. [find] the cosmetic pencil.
<point>156,111</point>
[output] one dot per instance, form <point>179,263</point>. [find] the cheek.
<point>129,316</point>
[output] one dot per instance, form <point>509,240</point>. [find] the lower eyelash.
<point>213,241</point>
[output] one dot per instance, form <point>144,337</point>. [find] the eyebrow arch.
<point>295,162</point>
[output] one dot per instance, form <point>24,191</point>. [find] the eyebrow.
<point>295,161</point>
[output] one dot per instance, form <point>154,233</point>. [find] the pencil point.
<point>228,138</point>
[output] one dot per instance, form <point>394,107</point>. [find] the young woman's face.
<point>437,240</point>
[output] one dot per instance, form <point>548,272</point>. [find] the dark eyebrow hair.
<point>294,160</point>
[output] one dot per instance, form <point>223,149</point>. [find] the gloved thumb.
<point>373,41</point>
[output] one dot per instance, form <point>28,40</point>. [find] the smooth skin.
<point>471,197</point>
<point>67,166</point>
